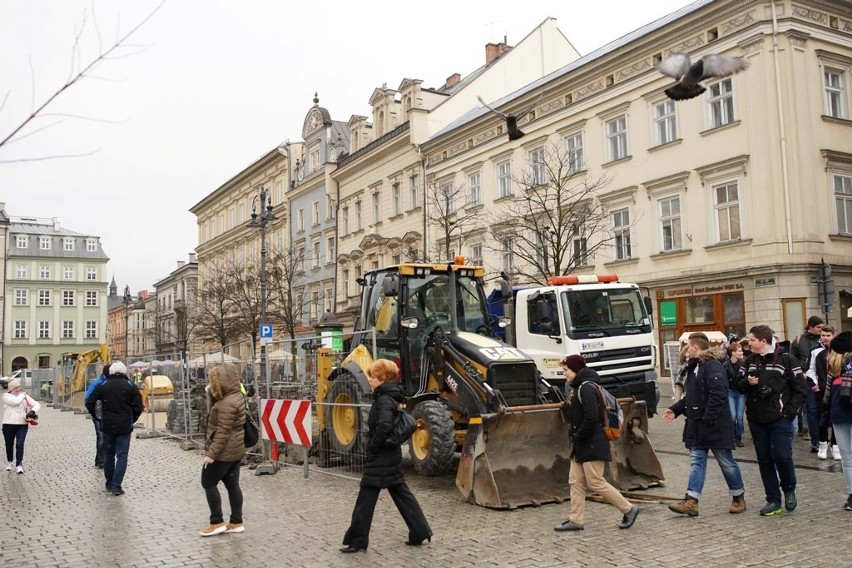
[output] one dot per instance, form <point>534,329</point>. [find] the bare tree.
<point>286,276</point>
<point>447,213</point>
<point>245,296</point>
<point>215,313</point>
<point>77,73</point>
<point>553,222</point>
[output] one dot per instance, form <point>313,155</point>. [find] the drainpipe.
<point>781,131</point>
<point>423,188</point>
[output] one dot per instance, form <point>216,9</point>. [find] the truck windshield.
<point>606,309</point>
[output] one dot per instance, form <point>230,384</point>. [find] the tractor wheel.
<point>346,420</point>
<point>433,444</point>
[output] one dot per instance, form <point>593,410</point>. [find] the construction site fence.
<point>176,403</point>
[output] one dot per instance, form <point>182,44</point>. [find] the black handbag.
<point>404,426</point>
<point>251,432</point>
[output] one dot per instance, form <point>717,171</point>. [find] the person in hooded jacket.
<point>224,449</point>
<point>590,450</point>
<point>96,421</point>
<point>709,426</point>
<point>120,406</point>
<point>382,469</point>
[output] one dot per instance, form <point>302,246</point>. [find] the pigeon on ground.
<point>689,75</point>
<point>512,119</point>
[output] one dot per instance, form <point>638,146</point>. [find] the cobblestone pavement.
<point>57,514</point>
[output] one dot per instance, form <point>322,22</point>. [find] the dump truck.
<point>606,321</point>
<point>468,391</point>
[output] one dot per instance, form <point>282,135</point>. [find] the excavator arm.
<point>78,381</point>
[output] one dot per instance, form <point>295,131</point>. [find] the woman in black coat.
<point>590,448</point>
<point>383,467</point>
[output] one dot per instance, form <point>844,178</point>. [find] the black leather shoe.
<point>350,549</point>
<point>629,518</point>
<point>418,542</point>
<point>568,525</point>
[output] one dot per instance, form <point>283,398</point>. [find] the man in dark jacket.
<point>591,449</point>
<point>775,392</point>
<point>121,406</point>
<point>709,426</point>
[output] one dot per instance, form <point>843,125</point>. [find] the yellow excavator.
<point>77,371</point>
<point>468,392</point>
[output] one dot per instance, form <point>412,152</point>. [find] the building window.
<point>20,329</point>
<point>834,99</point>
<point>44,297</point>
<point>68,272</point>
<point>621,231</point>
<point>22,242</point>
<point>44,272</point>
<point>579,248</point>
<point>315,305</point>
<point>447,194</point>
<point>22,297</point>
<point>91,330</point>
<point>330,206</point>
<point>346,220</point>
<point>397,199</point>
<point>537,166</point>
<point>67,329</point>
<point>474,190</point>
<point>315,216</point>
<point>476,254</point>
<point>504,178</point>
<point>358,219</point>
<point>91,274</point>
<point>346,283</point>
<point>68,297</point>
<point>44,330</point>
<point>616,135</point>
<point>68,245</point>
<point>329,247</point>
<point>91,298</point>
<point>721,103</point>
<point>843,203</point>
<point>329,300</point>
<point>377,208</point>
<point>670,223</point>
<point>300,220</point>
<point>666,122</point>
<point>20,271</point>
<point>44,243</point>
<point>574,153</point>
<point>316,254</point>
<point>507,254</point>
<point>727,211</point>
<point>414,191</point>
<point>314,158</point>
<point>91,245</point>
<point>300,261</point>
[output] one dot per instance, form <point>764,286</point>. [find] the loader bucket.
<point>526,460</point>
<point>634,464</point>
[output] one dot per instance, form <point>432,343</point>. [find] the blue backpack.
<point>612,417</point>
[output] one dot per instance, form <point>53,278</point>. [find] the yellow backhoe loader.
<point>467,390</point>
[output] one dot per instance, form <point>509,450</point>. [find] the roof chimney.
<point>192,257</point>
<point>494,51</point>
<point>181,263</point>
<point>452,80</point>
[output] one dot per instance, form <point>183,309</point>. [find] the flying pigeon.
<point>512,119</point>
<point>689,75</point>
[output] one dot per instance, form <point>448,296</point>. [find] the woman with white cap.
<point>18,408</point>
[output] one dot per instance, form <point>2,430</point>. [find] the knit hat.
<point>842,343</point>
<point>13,384</point>
<point>574,362</point>
<point>117,368</point>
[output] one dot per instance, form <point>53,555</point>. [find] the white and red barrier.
<point>287,421</point>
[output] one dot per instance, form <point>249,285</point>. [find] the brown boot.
<point>689,506</point>
<point>738,504</point>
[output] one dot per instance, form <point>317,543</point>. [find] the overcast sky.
<point>211,85</point>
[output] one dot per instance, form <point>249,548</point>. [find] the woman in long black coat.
<point>382,469</point>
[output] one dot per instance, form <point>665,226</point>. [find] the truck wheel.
<point>347,421</point>
<point>433,444</point>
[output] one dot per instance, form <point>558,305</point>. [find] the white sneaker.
<point>10,466</point>
<point>19,469</point>
<point>835,452</point>
<point>822,452</point>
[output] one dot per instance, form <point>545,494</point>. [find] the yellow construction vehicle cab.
<point>465,388</point>
<point>77,370</point>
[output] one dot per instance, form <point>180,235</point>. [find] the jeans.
<point>736,402</point>
<point>229,474</point>
<point>812,416</point>
<point>99,442</point>
<point>698,471</point>
<point>773,444</point>
<point>843,433</point>
<point>116,448</point>
<point>14,436</point>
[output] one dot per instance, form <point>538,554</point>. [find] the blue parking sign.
<point>266,331</point>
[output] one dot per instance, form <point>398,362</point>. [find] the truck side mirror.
<point>649,305</point>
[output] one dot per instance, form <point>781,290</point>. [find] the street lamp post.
<point>262,202</point>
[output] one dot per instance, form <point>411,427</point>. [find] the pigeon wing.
<point>497,112</point>
<point>675,65</point>
<point>721,65</point>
